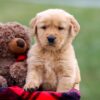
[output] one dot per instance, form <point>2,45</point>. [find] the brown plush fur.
<point>12,72</point>
<point>53,66</point>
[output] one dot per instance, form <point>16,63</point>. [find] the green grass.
<point>87,44</point>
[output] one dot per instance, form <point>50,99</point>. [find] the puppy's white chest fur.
<point>50,76</point>
<point>49,61</point>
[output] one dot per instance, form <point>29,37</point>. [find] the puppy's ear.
<point>33,25</point>
<point>74,27</point>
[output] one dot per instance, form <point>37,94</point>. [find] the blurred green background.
<point>87,44</point>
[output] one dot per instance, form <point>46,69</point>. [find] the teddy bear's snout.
<point>20,43</point>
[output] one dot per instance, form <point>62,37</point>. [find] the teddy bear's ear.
<point>74,26</point>
<point>33,25</point>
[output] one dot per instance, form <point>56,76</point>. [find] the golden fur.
<point>54,66</point>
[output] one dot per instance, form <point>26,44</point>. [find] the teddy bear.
<point>14,44</point>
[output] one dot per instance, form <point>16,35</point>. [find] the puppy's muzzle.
<point>51,39</point>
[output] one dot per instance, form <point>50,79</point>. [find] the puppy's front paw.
<point>30,86</point>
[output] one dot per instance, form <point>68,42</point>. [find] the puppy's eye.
<point>61,28</point>
<point>43,27</point>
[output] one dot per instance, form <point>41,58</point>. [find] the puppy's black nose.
<point>20,43</point>
<point>51,39</point>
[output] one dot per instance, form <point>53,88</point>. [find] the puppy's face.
<point>54,28</point>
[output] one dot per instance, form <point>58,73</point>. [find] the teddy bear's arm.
<point>18,72</point>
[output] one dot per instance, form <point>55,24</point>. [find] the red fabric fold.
<point>17,93</point>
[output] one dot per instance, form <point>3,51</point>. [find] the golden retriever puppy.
<point>51,60</point>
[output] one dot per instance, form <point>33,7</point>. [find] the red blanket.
<point>17,93</point>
